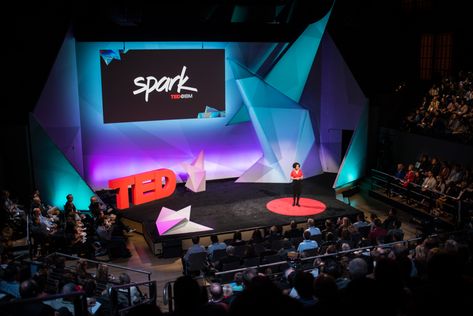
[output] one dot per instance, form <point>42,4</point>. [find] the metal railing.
<point>414,192</point>
<point>126,289</point>
<point>147,273</point>
<point>11,308</point>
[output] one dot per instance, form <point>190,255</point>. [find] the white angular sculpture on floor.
<point>170,222</point>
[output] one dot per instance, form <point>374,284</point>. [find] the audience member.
<point>307,243</point>
<point>314,230</point>
<point>215,245</point>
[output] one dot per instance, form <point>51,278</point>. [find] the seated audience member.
<point>81,271</point>
<point>326,294</point>
<point>216,295</point>
<point>89,286</point>
<point>434,166</point>
<point>274,234</point>
<point>188,298</point>
<point>293,232</point>
<point>357,269</point>
<point>429,182</point>
<point>195,248</point>
<point>373,216</point>
<point>263,297</point>
<point>104,232</point>
<point>30,289</point>
<point>102,274</point>
<point>400,172</point>
<point>312,228</point>
<point>455,192</point>
<point>132,294</point>
<point>307,243</point>
<point>303,284</point>
<point>329,228</point>
<point>98,210</point>
<point>256,237</point>
<point>423,164</point>
<point>10,206</point>
<point>395,233</point>
<point>334,269</point>
<point>66,302</point>
<point>377,234</point>
<point>360,221</point>
<point>235,287</point>
<point>230,258</point>
<point>46,211</point>
<point>237,240</point>
<point>389,222</point>
<point>287,248</point>
<point>249,252</point>
<point>344,223</point>
<point>409,177</point>
<point>444,170</point>
<point>95,208</point>
<point>330,239</point>
<point>40,232</point>
<point>215,245</point>
<point>440,187</point>
<point>455,175</point>
<point>10,285</point>
<point>418,179</point>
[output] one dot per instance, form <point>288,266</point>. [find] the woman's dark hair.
<point>237,235</point>
<point>295,164</point>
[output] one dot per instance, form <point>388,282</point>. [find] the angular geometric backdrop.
<point>284,103</point>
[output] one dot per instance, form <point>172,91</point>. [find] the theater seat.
<point>309,253</point>
<point>196,263</point>
<point>219,254</point>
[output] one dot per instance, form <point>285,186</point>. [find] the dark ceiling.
<point>207,20</point>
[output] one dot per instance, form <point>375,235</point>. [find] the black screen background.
<point>205,69</point>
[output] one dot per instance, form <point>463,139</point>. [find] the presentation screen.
<point>148,85</point>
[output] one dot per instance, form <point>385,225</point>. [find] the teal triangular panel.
<point>54,175</point>
<point>241,116</point>
<point>289,75</point>
<point>257,93</point>
<point>353,164</point>
<point>239,71</point>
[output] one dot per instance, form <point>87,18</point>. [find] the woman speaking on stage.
<point>296,176</point>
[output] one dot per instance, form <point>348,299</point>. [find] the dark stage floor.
<point>228,206</point>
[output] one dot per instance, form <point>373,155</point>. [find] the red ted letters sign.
<point>146,187</point>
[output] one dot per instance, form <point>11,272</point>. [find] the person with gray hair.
<point>216,304</point>
<point>133,291</point>
<point>29,289</point>
<point>67,302</point>
<point>231,258</point>
<point>314,230</point>
<point>357,268</point>
<point>216,293</point>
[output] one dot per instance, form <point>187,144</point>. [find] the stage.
<point>227,206</point>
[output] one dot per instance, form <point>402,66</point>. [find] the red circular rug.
<point>284,206</point>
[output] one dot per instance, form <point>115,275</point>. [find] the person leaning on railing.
<point>409,177</point>
<point>454,191</point>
